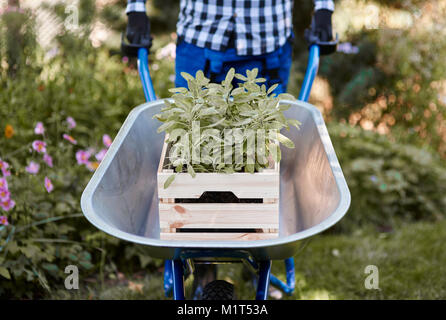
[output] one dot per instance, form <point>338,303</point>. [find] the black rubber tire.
<point>218,290</point>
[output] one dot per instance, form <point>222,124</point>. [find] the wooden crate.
<point>200,221</point>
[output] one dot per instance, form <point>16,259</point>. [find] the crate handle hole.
<point>218,197</point>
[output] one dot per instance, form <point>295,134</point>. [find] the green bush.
<point>389,181</point>
<point>46,230</point>
<point>351,75</point>
<point>396,80</point>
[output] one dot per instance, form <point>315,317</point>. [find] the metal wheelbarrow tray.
<point>121,198</point>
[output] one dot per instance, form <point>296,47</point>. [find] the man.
<point>215,35</point>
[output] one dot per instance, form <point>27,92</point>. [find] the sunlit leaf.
<point>285,141</point>
<point>169,181</point>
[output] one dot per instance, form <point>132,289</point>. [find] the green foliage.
<point>47,231</point>
<point>409,261</point>
<point>351,76</point>
<point>214,109</point>
<point>396,80</point>
<point>115,16</point>
<point>388,181</point>
<point>412,85</point>
<point>86,9</point>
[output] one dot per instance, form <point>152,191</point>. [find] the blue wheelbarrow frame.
<point>174,269</point>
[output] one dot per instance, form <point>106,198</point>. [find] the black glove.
<point>322,20</point>
<point>138,29</point>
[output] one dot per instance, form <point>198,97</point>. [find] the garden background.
<point>64,93</point>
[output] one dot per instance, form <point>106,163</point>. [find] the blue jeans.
<point>275,66</point>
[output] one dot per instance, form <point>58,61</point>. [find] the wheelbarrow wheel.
<point>218,290</point>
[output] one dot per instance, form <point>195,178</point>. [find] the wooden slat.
<point>243,185</point>
<point>209,236</point>
<point>269,230</point>
<point>219,215</point>
<point>258,185</point>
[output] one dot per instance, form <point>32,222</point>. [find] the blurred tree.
<point>17,38</point>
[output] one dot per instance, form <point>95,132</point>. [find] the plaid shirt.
<point>259,27</point>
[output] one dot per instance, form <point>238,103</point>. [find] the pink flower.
<point>33,167</point>
<point>71,123</point>
<point>69,138</point>
<point>4,194</point>
<point>101,154</point>
<point>48,160</point>
<point>3,165</point>
<point>125,59</point>
<point>39,129</point>
<point>3,183</point>
<point>4,168</point>
<point>92,166</point>
<point>82,156</point>
<point>39,146</point>
<point>106,140</point>
<point>7,205</point>
<point>6,173</point>
<point>4,220</point>
<point>48,185</point>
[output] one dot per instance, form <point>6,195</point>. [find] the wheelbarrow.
<point>121,198</point>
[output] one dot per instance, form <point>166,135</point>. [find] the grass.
<point>409,261</point>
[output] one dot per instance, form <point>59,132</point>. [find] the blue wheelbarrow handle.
<point>143,68</point>
<point>149,92</point>
<point>310,74</point>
